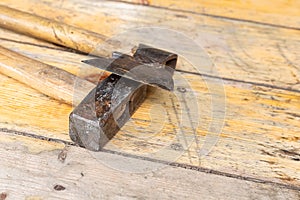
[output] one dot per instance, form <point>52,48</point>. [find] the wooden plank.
<point>30,169</point>
<point>238,50</point>
<point>68,60</point>
<point>278,13</point>
<point>261,132</point>
<point>259,139</point>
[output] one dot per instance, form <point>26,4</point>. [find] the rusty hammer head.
<point>110,105</point>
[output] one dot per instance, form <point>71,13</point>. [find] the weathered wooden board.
<point>238,50</point>
<point>31,169</point>
<point>260,137</point>
<point>278,13</point>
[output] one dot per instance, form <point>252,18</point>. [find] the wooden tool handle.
<point>51,31</point>
<point>47,79</point>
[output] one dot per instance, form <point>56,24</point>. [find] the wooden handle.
<point>52,31</point>
<point>47,79</point>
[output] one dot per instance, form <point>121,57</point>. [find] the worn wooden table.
<point>254,46</point>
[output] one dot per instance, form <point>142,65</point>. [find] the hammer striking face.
<point>110,105</point>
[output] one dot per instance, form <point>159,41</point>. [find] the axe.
<point>102,109</point>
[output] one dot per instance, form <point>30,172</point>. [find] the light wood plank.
<point>259,139</point>
<point>261,133</point>
<point>278,12</point>
<point>238,50</point>
<point>30,169</point>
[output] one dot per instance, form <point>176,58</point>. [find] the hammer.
<point>102,110</point>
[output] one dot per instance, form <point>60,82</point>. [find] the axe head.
<point>110,105</point>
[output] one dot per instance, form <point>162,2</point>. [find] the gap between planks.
<point>173,164</point>
<point>59,48</point>
<point>47,170</point>
<point>224,40</point>
<point>209,15</point>
<point>120,143</point>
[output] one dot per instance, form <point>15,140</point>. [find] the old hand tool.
<point>110,104</point>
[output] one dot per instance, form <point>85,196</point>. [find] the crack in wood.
<point>213,16</point>
<point>31,135</point>
<point>174,164</point>
<point>240,81</point>
<point>62,48</point>
<point>178,70</point>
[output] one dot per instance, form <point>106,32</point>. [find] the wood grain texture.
<point>68,60</point>
<point>49,30</point>
<point>277,13</point>
<point>259,65</point>
<point>259,139</point>
<point>82,176</point>
<point>47,79</point>
<point>237,50</point>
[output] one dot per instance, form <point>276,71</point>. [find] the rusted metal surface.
<point>109,106</point>
<point>101,114</point>
<point>149,65</point>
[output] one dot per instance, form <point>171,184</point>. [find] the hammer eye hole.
<point>171,63</point>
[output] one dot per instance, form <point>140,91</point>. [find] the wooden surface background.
<point>254,46</point>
